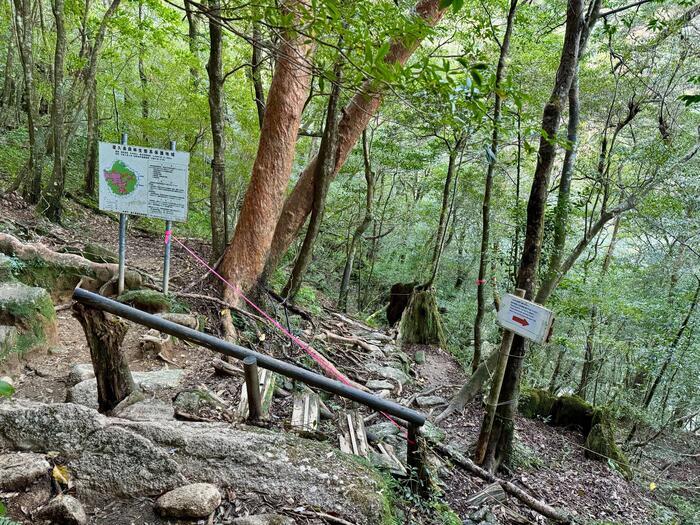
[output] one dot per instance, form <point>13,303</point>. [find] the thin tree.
<point>361,228</point>
<point>488,186</point>
<point>328,150</point>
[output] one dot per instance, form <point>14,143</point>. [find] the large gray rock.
<point>379,384</point>
<point>148,410</point>
<point>197,500</point>
<point>85,392</point>
<point>63,510</point>
<point>80,373</point>
<point>25,425</point>
<point>430,401</point>
<point>388,372</point>
<point>264,519</point>
<point>19,470</point>
<point>111,457</point>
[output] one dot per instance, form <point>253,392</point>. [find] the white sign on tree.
<point>144,181</point>
<point>525,318</point>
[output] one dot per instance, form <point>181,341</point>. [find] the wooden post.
<point>495,391</point>
<point>420,479</point>
<point>252,383</point>
<point>104,334</point>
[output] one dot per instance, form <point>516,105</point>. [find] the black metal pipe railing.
<point>275,365</point>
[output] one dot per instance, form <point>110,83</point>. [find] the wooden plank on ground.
<point>352,437</point>
<point>306,413</point>
<point>267,390</point>
<point>397,467</point>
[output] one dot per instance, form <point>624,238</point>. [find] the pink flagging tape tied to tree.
<point>325,365</point>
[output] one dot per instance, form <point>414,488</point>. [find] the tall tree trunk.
<point>486,205</point>
<point>217,195</point>
<point>501,437</point>
<point>442,222</point>
<point>92,141</point>
<point>55,190</point>
<point>256,66</point>
<point>25,35</point>
<point>193,41</point>
<point>588,363</point>
<point>324,168</point>
<point>356,115</point>
<point>361,228</point>
<point>8,84</point>
<point>244,259</point>
<point>142,66</point>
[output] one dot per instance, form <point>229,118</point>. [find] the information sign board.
<point>138,180</point>
<point>525,318</point>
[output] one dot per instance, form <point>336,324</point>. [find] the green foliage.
<point>6,389</point>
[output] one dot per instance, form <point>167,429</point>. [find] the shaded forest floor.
<point>549,464</point>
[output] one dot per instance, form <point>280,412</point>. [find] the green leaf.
<point>457,5</point>
<point>445,3</point>
<point>6,389</point>
<point>3,509</point>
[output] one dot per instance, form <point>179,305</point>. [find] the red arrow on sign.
<point>520,320</point>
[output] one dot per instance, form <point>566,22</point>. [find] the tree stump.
<point>399,297</point>
<point>421,322</point>
<point>104,334</point>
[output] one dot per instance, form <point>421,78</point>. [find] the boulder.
<point>379,384</point>
<point>264,519</point>
<point>430,401</point>
<point>117,458</point>
<point>193,401</point>
<point>85,392</point>
<point>18,470</point>
<point>420,357</point>
<point>79,373</point>
<point>389,372</point>
<point>62,510</point>
<point>197,500</point>
<point>31,313</point>
<point>147,410</point>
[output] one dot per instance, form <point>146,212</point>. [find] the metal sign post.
<point>122,241</point>
<point>166,253</point>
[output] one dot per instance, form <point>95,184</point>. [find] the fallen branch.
<point>320,515</point>
<point>220,302</point>
<point>355,341</point>
<point>532,502</point>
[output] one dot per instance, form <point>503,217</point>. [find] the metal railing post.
<point>252,385</point>
<point>166,253</point>
<point>122,240</point>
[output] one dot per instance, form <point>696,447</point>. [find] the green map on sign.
<point>120,178</point>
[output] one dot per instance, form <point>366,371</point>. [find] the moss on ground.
<point>31,311</point>
<point>151,301</point>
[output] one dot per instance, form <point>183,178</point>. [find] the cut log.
<point>397,467</point>
<point>492,493</point>
<point>306,414</point>
<point>352,437</point>
<point>155,343</point>
<point>104,334</point>
<point>267,390</point>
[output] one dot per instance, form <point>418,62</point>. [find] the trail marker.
<point>525,318</point>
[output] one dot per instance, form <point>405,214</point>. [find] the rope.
<point>325,365</point>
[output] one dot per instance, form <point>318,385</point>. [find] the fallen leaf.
<point>60,473</point>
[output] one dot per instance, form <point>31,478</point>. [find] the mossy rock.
<point>596,424</point>
<point>7,268</point>
<point>151,301</point>
<point>30,311</point>
<point>600,442</point>
<point>536,402</point>
<point>570,411</point>
<point>93,252</point>
<point>421,322</point>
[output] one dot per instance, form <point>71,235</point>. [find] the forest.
<point>371,184</point>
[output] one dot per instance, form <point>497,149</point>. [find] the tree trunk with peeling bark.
<point>356,115</point>
<point>245,257</point>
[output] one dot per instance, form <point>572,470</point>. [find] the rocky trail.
<point>301,465</point>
